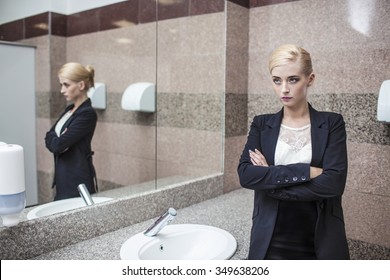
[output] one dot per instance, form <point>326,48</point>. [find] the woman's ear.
<point>81,85</point>
<point>311,79</point>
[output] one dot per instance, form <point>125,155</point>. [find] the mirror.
<point>182,53</point>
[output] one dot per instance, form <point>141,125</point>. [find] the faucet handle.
<point>161,222</point>
<point>84,193</point>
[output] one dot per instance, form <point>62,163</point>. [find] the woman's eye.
<point>293,80</point>
<point>277,82</point>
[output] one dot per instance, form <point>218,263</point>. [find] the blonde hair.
<point>76,72</point>
<point>291,53</point>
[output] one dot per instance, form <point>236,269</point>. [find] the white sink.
<point>181,242</point>
<point>61,206</point>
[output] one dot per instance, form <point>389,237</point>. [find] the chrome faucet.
<point>161,222</point>
<point>84,193</point>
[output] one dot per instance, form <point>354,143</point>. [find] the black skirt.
<point>293,236</point>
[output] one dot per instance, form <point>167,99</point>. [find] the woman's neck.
<point>77,103</point>
<point>296,116</point>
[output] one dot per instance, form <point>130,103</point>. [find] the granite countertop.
<point>231,212</point>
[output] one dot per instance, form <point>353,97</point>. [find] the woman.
<point>296,162</point>
<point>70,138</point>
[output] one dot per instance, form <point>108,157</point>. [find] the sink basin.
<point>61,206</point>
<point>181,242</point>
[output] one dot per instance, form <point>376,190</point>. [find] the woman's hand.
<point>257,158</point>
<point>315,172</point>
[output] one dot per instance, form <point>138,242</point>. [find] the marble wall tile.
<point>37,25</point>
<point>360,250</point>
<point>356,64</point>
<point>12,31</point>
<point>58,24</point>
<point>233,148</point>
<point>259,3</point>
<point>43,104</point>
<point>195,150</point>
<point>147,11</point>
<point>243,3</point>
<point>200,7</point>
<point>368,166</point>
<point>236,112</point>
<point>367,217</point>
<point>237,49</point>
<point>125,139</point>
<point>45,192</point>
<point>172,9</point>
<point>194,111</point>
<point>83,22</point>
<point>120,56</point>
<point>42,62</point>
<point>123,169</point>
<point>45,160</point>
<point>118,14</point>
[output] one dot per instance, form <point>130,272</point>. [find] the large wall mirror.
<point>175,44</point>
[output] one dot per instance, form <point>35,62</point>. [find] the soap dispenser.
<point>12,183</point>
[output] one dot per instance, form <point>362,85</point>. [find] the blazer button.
<point>303,178</point>
<point>295,179</point>
<point>287,179</point>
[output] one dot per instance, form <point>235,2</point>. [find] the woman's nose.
<point>285,88</point>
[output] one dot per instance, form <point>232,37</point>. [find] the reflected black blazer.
<point>292,182</point>
<point>72,152</point>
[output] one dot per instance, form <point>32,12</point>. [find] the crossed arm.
<point>305,182</point>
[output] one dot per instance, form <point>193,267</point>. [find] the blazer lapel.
<point>269,137</point>
<point>319,137</point>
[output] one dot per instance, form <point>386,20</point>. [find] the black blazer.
<point>292,182</point>
<point>72,152</point>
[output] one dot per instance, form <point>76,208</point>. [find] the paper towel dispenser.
<point>98,96</point>
<point>383,112</point>
<point>140,97</point>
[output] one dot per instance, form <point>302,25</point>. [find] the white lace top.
<point>61,122</point>
<point>294,145</point>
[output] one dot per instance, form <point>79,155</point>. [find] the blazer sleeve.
<point>332,181</point>
<point>272,177</point>
<point>83,124</point>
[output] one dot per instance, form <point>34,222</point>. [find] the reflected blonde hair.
<point>76,72</point>
<point>291,53</point>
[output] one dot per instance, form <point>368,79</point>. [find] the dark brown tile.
<point>37,25</point>
<point>83,22</point>
<point>147,11</point>
<point>259,3</point>
<point>172,9</point>
<point>243,3</point>
<point>119,15</point>
<point>58,24</point>
<point>200,7</point>
<point>12,31</point>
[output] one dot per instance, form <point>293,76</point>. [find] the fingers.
<point>257,158</point>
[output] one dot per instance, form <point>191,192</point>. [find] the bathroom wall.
<point>190,83</point>
<point>349,43</point>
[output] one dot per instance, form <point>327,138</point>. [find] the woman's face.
<point>290,84</point>
<point>70,89</point>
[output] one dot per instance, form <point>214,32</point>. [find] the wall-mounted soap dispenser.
<point>12,183</point>
<point>98,96</point>
<point>383,113</point>
<point>140,97</point>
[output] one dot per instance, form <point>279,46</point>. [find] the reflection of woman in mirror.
<point>70,137</point>
<point>296,162</point>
